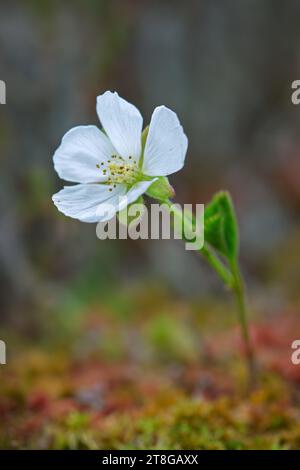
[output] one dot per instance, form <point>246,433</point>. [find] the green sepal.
<point>144,137</point>
<point>143,141</point>
<point>161,189</point>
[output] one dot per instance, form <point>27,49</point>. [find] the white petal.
<point>89,202</point>
<point>166,144</point>
<point>134,193</point>
<point>81,150</point>
<point>122,123</point>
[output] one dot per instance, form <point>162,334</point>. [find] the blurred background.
<point>97,329</point>
<point>225,67</point>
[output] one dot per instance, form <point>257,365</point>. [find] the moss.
<point>148,384</point>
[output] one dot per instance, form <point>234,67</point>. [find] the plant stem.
<point>218,266</point>
<point>233,279</point>
<point>208,254</point>
<point>240,295</point>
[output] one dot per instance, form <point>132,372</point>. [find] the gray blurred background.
<point>225,66</point>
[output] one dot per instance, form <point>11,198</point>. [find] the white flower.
<point>111,167</point>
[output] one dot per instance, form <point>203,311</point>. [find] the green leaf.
<point>220,226</point>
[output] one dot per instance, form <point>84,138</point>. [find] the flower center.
<point>120,171</point>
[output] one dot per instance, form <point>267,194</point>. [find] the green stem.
<point>240,295</point>
<point>208,254</point>
<point>218,266</point>
<point>232,279</point>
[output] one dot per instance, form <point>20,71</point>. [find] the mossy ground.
<point>143,371</point>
